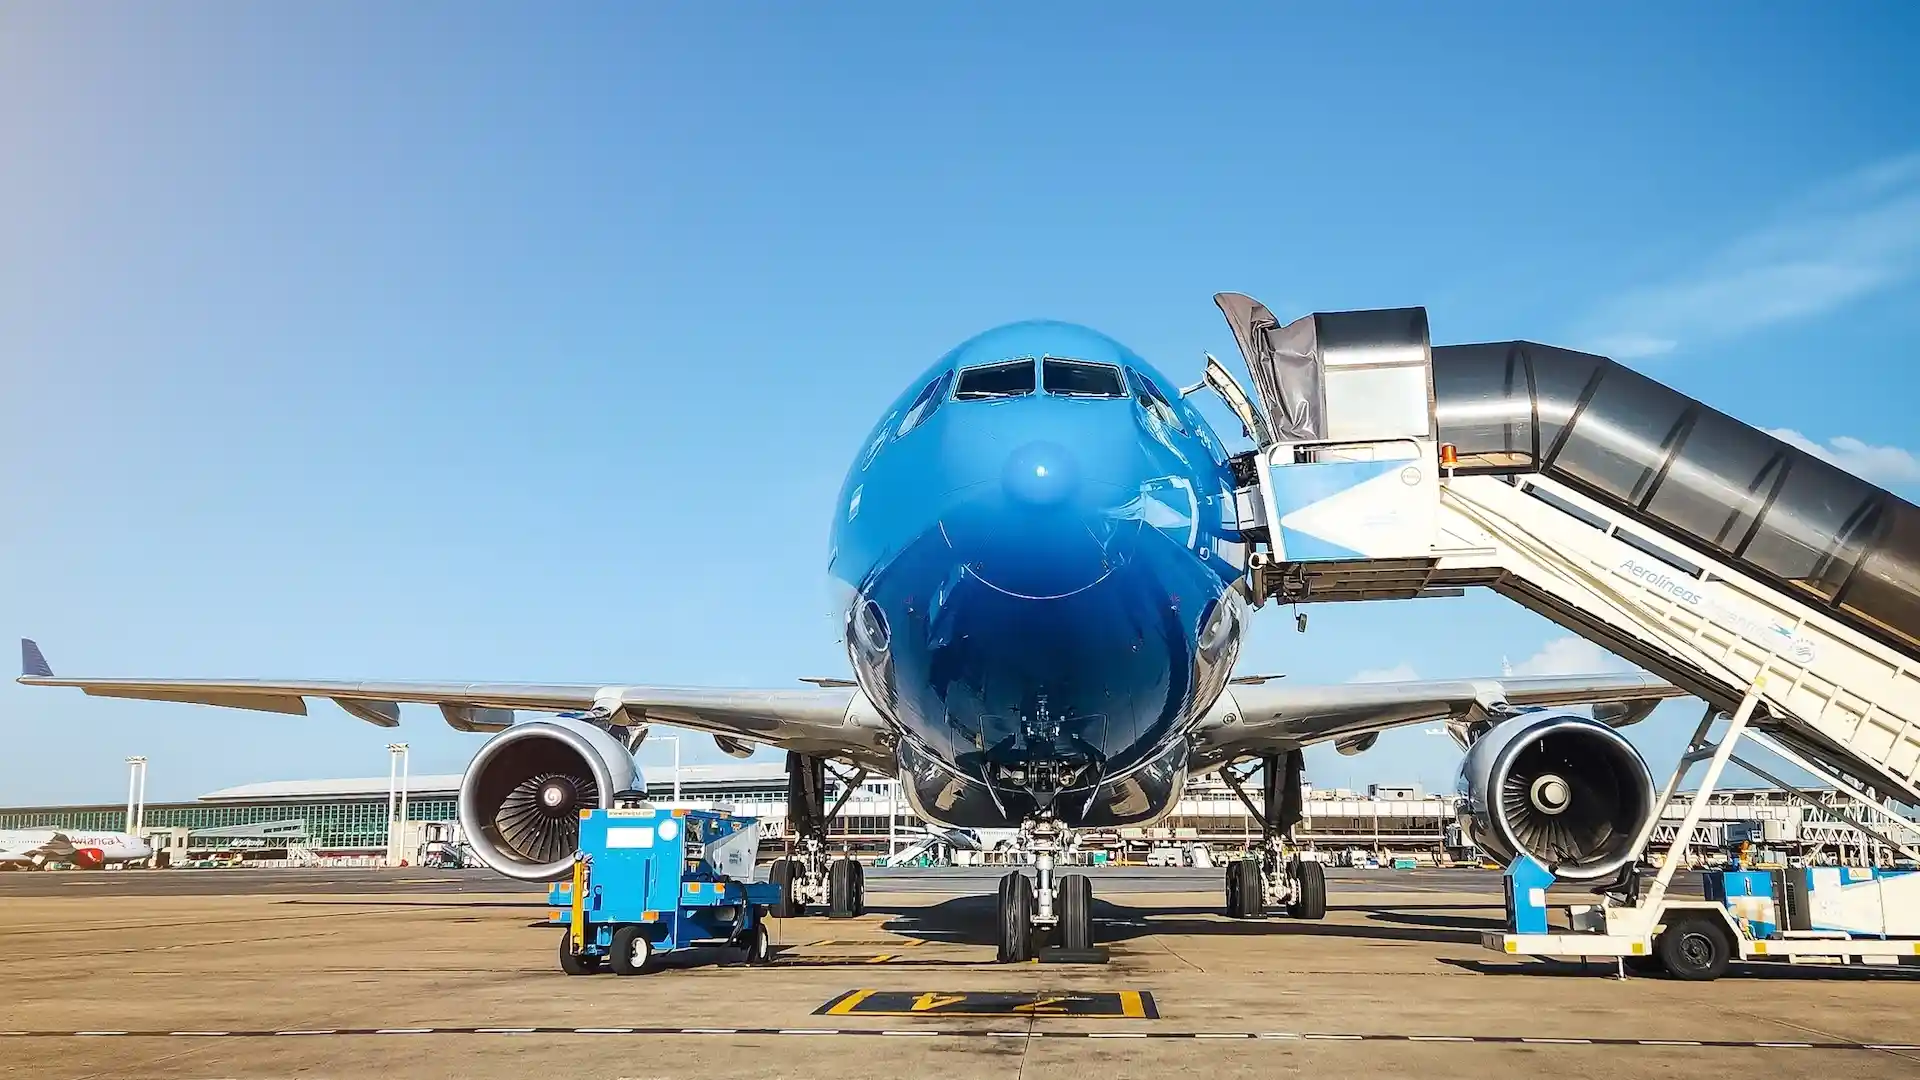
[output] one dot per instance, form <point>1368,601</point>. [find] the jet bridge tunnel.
<point>1707,551</point>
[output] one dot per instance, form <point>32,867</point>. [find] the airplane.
<point>1041,572</point>
<point>37,848</point>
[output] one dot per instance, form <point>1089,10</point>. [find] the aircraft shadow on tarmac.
<point>971,920</point>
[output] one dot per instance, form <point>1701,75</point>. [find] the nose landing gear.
<point>1046,905</point>
<point>1278,878</point>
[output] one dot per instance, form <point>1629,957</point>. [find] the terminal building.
<point>351,819</point>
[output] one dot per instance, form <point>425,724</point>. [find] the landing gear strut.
<point>808,874</point>
<point>1048,903</point>
<point>1277,878</point>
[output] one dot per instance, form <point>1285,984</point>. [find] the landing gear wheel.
<point>1016,919</point>
<point>759,943</point>
<point>859,889</point>
<point>1233,891</point>
<point>781,873</point>
<point>632,953</point>
<point>1253,901</point>
<point>574,963</point>
<point>1076,913</point>
<point>1310,891</point>
<point>1694,948</point>
<point>843,888</point>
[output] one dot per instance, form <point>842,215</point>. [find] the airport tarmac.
<point>415,973</point>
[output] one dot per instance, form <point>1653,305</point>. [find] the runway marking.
<point>986,1033</point>
<point>1109,1005</point>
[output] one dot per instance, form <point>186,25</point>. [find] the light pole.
<point>397,767</point>
<point>136,794</point>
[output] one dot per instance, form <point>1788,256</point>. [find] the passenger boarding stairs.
<point>1699,548</point>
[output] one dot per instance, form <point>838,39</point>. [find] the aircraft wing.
<point>828,721</point>
<point>1274,717</point>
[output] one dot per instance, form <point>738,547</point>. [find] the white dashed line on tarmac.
<point>981,1033</point>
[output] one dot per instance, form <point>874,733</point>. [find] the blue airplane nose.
<point>1041,474</point>
<point>1047,532</point>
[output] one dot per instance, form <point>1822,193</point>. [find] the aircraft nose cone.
<point>1041,474</point>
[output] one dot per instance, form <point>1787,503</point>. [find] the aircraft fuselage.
<point>1037,553</point>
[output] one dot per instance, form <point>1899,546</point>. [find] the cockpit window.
<point>1078,378</point>
<point>927,401</point>
<point>1009,378</point>
<point>1156,403</point>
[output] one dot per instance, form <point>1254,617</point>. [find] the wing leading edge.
<point>1276,717</point>
<point>824,721</point>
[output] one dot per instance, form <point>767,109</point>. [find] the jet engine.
<point>89,858</point>
<point>521,797</point>
<point>1567,790</point>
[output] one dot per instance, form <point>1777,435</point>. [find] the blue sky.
<point>475,341</point>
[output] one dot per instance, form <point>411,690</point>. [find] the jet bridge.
<point>1694,545</point>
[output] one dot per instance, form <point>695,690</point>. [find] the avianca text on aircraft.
<point>36,848</point>
<point>1043,575</point>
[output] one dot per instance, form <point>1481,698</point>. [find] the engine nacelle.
<point>522,794</point>
<point>1569,791</point>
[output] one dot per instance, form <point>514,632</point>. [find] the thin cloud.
<point>1401,672</point>
<point>1884,465</point>
<point>1570,656</point>
<point>1855,236</point>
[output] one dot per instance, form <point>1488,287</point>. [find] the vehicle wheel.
<point>632,952</point>
<point>781,873</point>
<point>1076,913</point>
<point>859,889</point>
<point>1253,901</point>
<point>759,943</point>
<point>1233,891</point>
<point>1016,919</point>
<point>1694,948</point>
<point>574,963</point>
<point>842,884</point>
<point>1311,884</point>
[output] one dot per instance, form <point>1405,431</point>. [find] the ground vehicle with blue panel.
<point>649,881</point>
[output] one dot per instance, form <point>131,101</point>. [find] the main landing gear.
<point>809,876</point>
<point>1277,879</point>
<point>1047,905</point>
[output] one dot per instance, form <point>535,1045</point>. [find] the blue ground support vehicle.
<point>648,881</point>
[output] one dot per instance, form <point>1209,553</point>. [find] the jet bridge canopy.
<point>1687,470</point>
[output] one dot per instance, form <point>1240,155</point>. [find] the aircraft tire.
<point>1015,919</point>
<point>843,886</point>
<point>781,874</point>
<point>1233,890</point>
<point>1312,901</point>
<point>1076,913</point>
<point>1253,903</point>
